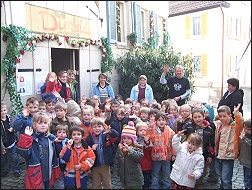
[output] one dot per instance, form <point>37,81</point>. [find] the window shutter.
<point>228,64</point>
<point>187,27</point>
<point>112,26</point>
<point>138,24</point>
<point>155,23</point>
<point>204,24</point>
<point>204,64</point>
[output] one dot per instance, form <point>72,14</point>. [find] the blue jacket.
<point>118,126</point>
<point>21,123</point>
<point>28,148</point>
<point>109,88</point>
<point>148,93</point>
<point>107,140</point>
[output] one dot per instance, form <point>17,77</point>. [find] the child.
<point>79,158</point>
<point>73,111</point>
<point>42,106</point>
<point>127,159</point>
<point>48,89</point>
<point>144,102</point>
<point>37,146</point>
<point>184,121</point>
<point>127,109</point>
<point>101,139</point>
<point>144,114</point>
<point>189,162</point>
<point>83,101</point>
<point>162,152</point>
<point>50,107</point>
<point>118,124</point>
<point>227,143</point>
<point>111,113</point>
<point>74,86</point>
<point>146,161</point>
<point>204,129</point>
<point>25,118</point>
<point>245,153</point>
<point>172,115</point>
<point>61,118</point>
<point>87,116</point>
<point>62,131</point>
<point>9,142</point>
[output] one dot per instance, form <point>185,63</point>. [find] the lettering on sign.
<point>43,20</point>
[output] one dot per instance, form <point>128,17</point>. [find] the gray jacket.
<point>245,152</point>
<point>128,166</point>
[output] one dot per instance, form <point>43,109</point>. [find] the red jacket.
<point>53,86</point>
<point>146,161</point>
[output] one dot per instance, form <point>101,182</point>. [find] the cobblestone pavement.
<point>11,182</point>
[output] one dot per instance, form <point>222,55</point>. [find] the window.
<point>197,65</point>
<point>233,63</point>
<point>197,26</point>
<point>116,21</point>
<point>144,36</point>
<point>235,27</point>
<point>137,20</point>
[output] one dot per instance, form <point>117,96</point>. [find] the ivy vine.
<point>20,40</point>
<point>132,38</point>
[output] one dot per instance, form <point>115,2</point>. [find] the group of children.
<point>148,146</point>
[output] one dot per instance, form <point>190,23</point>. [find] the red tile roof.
<point>177,8</point>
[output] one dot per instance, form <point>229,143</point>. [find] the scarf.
<point>99,150</point>
<point>40,136</point>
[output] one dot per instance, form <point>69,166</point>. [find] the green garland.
<point>20,40</point>
<point>107,61</point>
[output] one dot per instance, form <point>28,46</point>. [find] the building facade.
<point>217,34</point>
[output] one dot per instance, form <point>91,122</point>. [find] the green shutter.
<point>187,27</point>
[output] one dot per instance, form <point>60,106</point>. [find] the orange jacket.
<point>86,159</point>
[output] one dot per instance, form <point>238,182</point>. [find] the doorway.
<point>64,59</point>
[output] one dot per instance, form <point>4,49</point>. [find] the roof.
<point>177,8</point>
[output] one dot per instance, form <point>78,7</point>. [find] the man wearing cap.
<point>142,90</point>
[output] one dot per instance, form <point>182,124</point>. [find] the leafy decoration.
<point>132,38</point>
<point>20,40</point>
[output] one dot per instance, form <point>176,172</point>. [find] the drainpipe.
<point>222,52</point>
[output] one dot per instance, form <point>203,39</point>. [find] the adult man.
<point>233,96</point>
<point>142,90</point>
<point>179,87</point>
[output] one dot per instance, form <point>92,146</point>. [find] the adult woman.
<point>73,84</point>
<point>233,96</point>
<point>179,87</point>
<point>142,90</point>
<point>103,89</point>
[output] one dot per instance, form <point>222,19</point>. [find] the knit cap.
<point>130,131</point>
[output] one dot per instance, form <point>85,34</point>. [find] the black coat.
<point>232,100</point>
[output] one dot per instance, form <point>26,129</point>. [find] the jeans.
<point>59,183</point>
<point>224,171</point>
<point>165,168</point>
<point>247,177</point>
<point>147,178</point>
<point>10,158</point>
<point>212,172</point>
